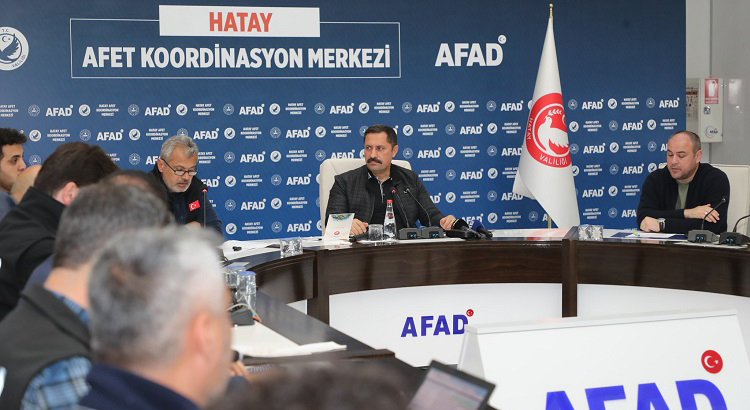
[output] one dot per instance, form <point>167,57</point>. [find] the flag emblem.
<point>546,133</point>
<point>194,205</point>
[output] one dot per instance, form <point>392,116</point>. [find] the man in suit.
<point>366,190</point>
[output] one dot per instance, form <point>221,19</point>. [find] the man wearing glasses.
<point>176,169</point>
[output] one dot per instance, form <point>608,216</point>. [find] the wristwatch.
<point>662,224</point>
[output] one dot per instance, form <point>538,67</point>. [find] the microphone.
<point>734,237</point>
<point>461,230</point>
<point>479,228</point>
<point>702,235</point>
<point>394,193</point>
<point>429,217</point>
<point>205,202</point>
<point>738,222</point>
<point>723,199</point>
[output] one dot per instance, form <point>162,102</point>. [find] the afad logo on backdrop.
<point>435,326</point>
<point>546,133</point>
<point>471,54</point>
<point>14,49</point>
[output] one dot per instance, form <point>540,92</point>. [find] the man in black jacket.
<point>679,196</point>
<point>366,190</point>
<point>27,234</point>
<point>176,169</point>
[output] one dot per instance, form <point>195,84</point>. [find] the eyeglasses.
<point>180,172</point>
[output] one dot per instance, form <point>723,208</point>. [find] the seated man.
<point>11,165</point>
<point>44,341</point>
<point>676,198</point>
<point>160,331</point>
<point>176,169</point>
<point>366,190</point>
<point>27,234</point>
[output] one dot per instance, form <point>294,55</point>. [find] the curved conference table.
<point>319,273</point>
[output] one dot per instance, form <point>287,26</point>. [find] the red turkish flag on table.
<point>544,170</point>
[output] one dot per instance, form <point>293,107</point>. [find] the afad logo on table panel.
<point>436,325</point>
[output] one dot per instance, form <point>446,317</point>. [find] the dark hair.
<point>350,386</point>
<point>694,138</point>
<point>139,179</point>
<point>100,210</point>
<point>74,162</point>
<point>389,131</point>
<point>9,136</point>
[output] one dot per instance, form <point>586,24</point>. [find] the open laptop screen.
<point>446,388</point>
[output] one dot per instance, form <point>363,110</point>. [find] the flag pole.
<point>550,10</point>
<point>549,221</point>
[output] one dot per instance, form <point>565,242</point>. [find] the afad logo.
<point>546,134</point>
<point>14,49</point>
<point>436,325</point>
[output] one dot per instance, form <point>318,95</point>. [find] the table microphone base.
<point>733,238</point>
<point>701,236</point>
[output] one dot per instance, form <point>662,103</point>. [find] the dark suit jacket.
<point>349,194</point>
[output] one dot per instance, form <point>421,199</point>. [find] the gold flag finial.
<point>550,10</point>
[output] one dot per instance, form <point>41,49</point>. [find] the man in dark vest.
<point>27,234</point>
<point>44,341</point>
<point>176,169</point>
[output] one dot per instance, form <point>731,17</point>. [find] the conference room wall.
<point>730,59</point>
<point>698,46</point>
<point>620,68</point>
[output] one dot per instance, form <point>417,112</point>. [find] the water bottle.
<point>247,289</point>
<point>389,222</point>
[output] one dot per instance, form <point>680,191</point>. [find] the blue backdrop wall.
<point>266,107</point>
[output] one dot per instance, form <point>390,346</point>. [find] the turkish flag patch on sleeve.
<point>194,205</point>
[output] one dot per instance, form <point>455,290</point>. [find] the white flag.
<point>544,170</point>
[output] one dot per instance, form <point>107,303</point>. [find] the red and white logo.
<point>546,133</point>
<point>712,361</point>
<point>194,205</point>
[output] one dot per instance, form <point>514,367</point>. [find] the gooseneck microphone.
<point>723,199</point>
<point>394,193</point>
<point>205,202</point>
<point>429,217</point>
<point>738,222</point>
<point>702,235</point>
<point>734,237</point>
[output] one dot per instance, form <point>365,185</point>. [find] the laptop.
<point>446,388</point>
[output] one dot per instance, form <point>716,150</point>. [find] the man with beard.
<point>176,169</point>
<point>676,198</point>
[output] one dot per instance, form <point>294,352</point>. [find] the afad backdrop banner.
<point>270,92</point>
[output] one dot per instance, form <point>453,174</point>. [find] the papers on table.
<point>260,341</point>
<point>648,235</point>
<point>247,248</point>
<point>338,227</point>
